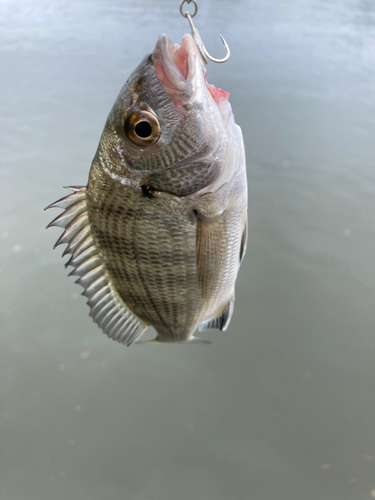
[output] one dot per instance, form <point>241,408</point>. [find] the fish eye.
<point>142,128</point>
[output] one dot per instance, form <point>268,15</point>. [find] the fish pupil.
<point>143,129</point>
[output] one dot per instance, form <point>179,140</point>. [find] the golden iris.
<point>142,128</point>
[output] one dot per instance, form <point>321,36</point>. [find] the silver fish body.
<point>158,235</point>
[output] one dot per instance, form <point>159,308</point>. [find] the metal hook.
<point>198,40</point>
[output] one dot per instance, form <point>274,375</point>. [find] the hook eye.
<point>142,128</point>
<point>185,14</point>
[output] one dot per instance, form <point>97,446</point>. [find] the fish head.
<point>168,129</point>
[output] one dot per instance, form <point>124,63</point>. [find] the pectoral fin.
<point>211,250</point>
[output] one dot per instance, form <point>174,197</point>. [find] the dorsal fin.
<point>221,321</point>
<point>108,310</point>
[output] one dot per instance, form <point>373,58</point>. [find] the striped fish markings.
<point>158,234</point>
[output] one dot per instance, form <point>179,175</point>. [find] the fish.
<point>158,234</point>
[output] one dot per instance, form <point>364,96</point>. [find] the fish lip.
<point>164,56</point>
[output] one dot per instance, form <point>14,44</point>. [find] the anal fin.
<point>221,321</point>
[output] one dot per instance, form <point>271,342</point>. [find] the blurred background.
<point>282,405</point>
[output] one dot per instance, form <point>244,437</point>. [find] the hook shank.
<point>198,40</point>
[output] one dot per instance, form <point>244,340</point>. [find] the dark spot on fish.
<point>147,191</point>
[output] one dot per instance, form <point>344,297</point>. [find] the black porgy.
<point>158,235</point>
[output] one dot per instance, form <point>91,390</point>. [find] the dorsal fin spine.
<point>83,245</point>
<point>77,241</point>
<point>68,201</point>
<point>64,219</point>
<point>88,265</point>
<point>87,278</point>
<point>81,257</point>
<point>91,290</point>
<point>72,230</point>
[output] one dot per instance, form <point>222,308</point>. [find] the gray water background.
<point>282,405</point>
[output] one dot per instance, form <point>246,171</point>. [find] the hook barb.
<point>198,40</point>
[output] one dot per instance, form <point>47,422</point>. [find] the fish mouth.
<point>176,64</point>
<point>181,70</point>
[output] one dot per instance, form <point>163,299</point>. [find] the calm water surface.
<point>283,404</point>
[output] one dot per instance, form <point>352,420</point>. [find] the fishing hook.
<point>198,40</point>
